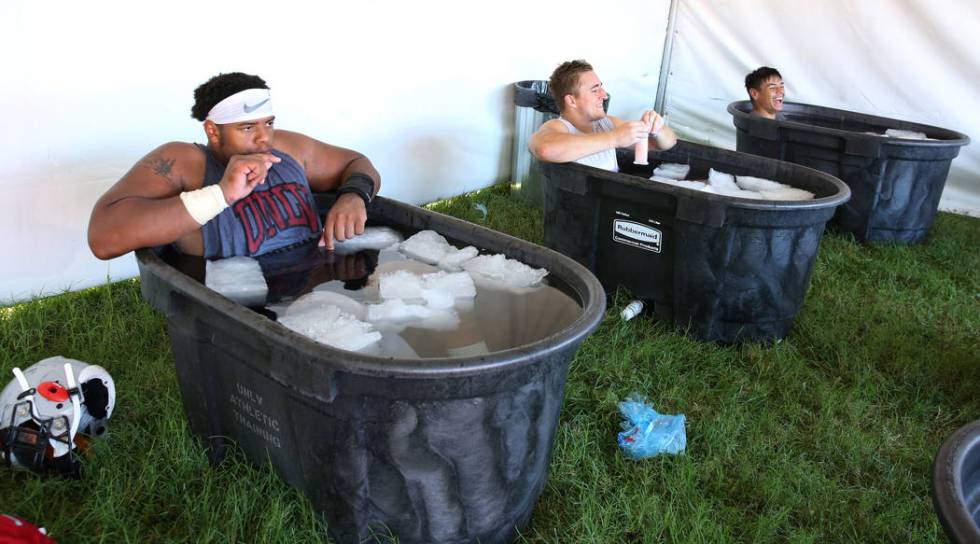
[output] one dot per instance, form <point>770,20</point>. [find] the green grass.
<point>827,436</point>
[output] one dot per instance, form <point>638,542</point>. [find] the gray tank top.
<point>603,159</point>
<point>278,213</point>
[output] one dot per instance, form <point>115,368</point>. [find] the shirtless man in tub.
<point>247,192</point>
<point>584,133</point>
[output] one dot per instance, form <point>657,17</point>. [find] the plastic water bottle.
<point>641,150</point>
<point>631,310</point>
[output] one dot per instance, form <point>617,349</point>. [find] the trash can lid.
<point>534,94</point>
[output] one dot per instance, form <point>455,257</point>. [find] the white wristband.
<point>203,204</point>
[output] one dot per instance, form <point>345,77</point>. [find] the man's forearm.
<point>664,140</point>
<point>362,166</point>
<point>564,147</point>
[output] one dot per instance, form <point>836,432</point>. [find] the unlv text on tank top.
<point>264,214</point>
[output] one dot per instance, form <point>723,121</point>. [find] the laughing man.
<point>766,90</point>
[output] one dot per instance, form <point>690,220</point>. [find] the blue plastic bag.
<point>647,433</point>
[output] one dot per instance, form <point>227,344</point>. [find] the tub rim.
<point>843,191</point>
<point>947,483</point>
<point>578,278</point>
<point>740,110</point>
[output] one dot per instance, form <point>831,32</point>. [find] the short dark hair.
<point>221,87</point>
<point>564,80</point>
<point>759,76</point>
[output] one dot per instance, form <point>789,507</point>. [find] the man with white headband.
<point>247,192</point>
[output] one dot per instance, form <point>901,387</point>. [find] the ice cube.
<point>237,278</point>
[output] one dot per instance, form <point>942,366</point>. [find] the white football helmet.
<point>49,412</point>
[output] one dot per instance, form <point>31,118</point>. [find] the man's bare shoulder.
<point>287,140</point>
<point>553,125</point>
<point>178,151</point>
<point>181,164</point>
<point>296,145</point>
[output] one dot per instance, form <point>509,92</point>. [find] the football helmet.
<point>14,530</point>
<point>50,411</point>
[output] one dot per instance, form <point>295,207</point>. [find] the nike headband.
<point>247,105</point>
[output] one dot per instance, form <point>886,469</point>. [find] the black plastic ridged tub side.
<point>896,183</point>
<point>445,460</point>
<point>729,270</point>
<point>956,484</point>
<point>452,450</point>
<point>743,271</point>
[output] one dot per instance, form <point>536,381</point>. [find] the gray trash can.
<point>533,106</point>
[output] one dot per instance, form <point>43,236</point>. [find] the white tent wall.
<point>422,88</point>
<point>914,60</point>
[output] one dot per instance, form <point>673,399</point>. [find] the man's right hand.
<point>243,173</point>
<point>630,132</point>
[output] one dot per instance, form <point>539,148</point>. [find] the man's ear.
<point>753,94</point>
<point>569,101</point>
<point>211,131</point>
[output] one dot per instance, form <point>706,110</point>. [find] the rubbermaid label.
<point>638,235</point>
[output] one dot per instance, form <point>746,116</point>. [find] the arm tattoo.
<point>163,167</point>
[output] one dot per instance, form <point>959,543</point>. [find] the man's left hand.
<point>345,220</point>
<point>653,120</point>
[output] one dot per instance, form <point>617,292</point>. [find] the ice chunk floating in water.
<point>425,301</point>
<point>371,238</point>
<point>454,258</point>
<point>499,272</point>
<point>438,289</point>
<point>721,183</point>
<point>319,301</point>
<point>333,327</point>
<point>672,170</point>
<point>772,190</point>
<point>431,247</point>
<point>238,278</point>
<point>686,183</point>
<point>395,314</point>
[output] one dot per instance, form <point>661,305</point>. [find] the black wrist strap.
<point>360,184</point>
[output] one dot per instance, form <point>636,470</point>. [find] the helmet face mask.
<point>49,411</point>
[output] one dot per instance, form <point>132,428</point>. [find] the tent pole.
<point>665,60</point>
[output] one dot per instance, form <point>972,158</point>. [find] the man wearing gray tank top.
<point>246,192</point>
<point>585,133</point>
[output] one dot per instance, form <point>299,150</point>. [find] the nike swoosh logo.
<point>250,109</point>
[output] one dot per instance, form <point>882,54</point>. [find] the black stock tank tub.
<point>727,269</point>
<point>895,182</point>
<point>439,450</point>
<point>956,484</point>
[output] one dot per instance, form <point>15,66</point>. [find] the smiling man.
<point>247,192</point>
<point>584,133</point>
<point>766,90</point>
